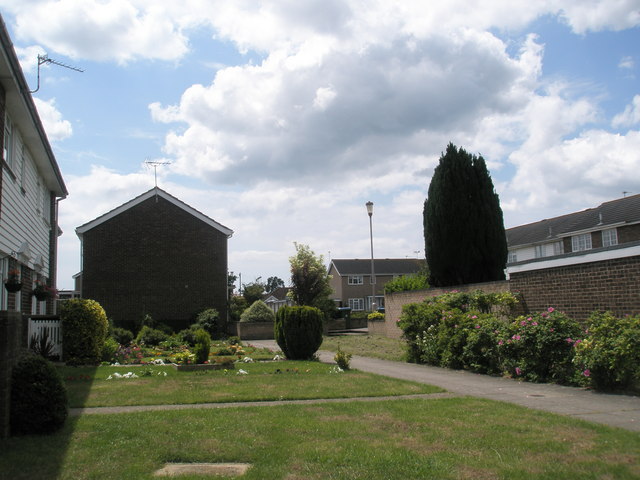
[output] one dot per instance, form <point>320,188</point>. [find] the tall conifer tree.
<point>463,224</point>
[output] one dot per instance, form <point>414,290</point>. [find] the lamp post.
<point>373,273</point>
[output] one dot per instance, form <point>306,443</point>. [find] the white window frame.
<point>580,243</point>
<point>379,302</point>
<point>356,304</point>
<point>355,280</point>
<point>540,251</point>
<point>558,248</point>
<point>513,257</point>
<point>609,237</point>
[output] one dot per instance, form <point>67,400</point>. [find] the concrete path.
<point>614,410</point>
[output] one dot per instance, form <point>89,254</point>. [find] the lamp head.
<point>369,208</point>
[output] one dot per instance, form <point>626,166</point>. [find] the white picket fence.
<point>53,328</point>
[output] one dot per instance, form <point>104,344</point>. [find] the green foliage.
<point>38,396</point>
<point>298,331</point>
<point>540,348</point>
<point>481,352</point>
<point>109,349</point>
<point>342,359</point>
<point>209,320</point>
<point>202,346</point>
<point>187,336</point>
<point>404,283</point>
<point>122,335</point>
<point>258,312</point>
<point>609,356</point>
<point>253,291</point>
<point>273,283</point>
<point>150,336</point>
<point>84,330</point>
<point>41,345</point>
<point>464,233</point>
<point>238,304</point>
<point>375,316</point>
<point>310,281</point>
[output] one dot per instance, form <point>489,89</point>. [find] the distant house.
<point>351,279</point>
<point>278,298</point>
<point>30,187</point>
<point>155,255</point>
<point>608,227</point>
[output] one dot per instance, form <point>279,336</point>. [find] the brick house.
<point>31,186</point>
<point>351,279</point>
<point>155,255</point>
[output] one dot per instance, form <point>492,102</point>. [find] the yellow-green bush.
<point>84,330</point>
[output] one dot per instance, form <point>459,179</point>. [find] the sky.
<point>281,119</point>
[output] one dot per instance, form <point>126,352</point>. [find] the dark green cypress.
<point>463,224</point>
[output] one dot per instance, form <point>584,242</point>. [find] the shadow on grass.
<point>43,456</point>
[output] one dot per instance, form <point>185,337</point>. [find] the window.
<point>580,243</point>
<point>8,141</point>
<point>609,237</point>
<point>355,280</point>
<point>356,304</point>
<point>558,248</point>
<point>540,251</point>
<point>513,257</point>
<point>379,302</point>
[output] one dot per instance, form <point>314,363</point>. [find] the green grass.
<point>89,387</point>
<point>375,346</point>
<point>457,438</point>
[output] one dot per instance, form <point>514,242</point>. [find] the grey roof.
<point>615,212</point>
<point>386,266</point>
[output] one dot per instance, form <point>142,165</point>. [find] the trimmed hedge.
<point>258,312</point>
<point>84,330</point>
<point>38,396</point>
<point>298,331</point>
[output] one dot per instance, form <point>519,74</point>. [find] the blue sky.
<point>280,119</point>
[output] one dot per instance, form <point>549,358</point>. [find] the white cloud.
<point>630,116</point>
<point>56,127</point>
<point>595,15</point>
<point>626,63</point>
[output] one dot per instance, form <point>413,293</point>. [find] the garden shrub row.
<point>477,332</point>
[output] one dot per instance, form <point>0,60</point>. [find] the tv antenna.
<point>42,59</point>
<point>154,164</point>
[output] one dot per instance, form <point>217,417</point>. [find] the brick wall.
<point>155,258</point>
<point>580,289</point>
<point>395,301</point>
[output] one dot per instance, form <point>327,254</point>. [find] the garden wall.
<point>253,330</point>
<point>395,301</point>
<point>12,338</point>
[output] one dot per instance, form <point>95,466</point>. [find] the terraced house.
<point>31,186</point>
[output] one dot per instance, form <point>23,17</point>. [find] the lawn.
<point>375,346</point>
<point>90,386</point>
<point>455,438</point>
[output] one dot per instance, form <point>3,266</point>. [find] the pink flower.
<point>523,323</point>
<point>535,324</point>
<point>477,326</point>
<point>518,371</point>
<point>529,319</point>
<point>587,373</point>
<point>500,342</point>
<point>550,309</point>
<point>474,317</point>
<point>569,340</point>
<point>516,337</point>
<point>552,329</point>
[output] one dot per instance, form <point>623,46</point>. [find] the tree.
<point>273,283</point>
<point>463,225</point>
<point>231,283</point>
<point>253,291</point>
<point>310,280</point>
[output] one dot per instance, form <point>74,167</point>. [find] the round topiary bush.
<point>258,312</point>
<point>84,330</point>
<point>38,396</point>
<point>298,331</point>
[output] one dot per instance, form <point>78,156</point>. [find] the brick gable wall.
<point>155,258</point>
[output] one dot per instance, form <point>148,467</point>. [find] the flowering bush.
<point>184,357</point>
<point>343,359</point>
<point>540,348</point>
<point>481,353</point>
<point>609,357</point>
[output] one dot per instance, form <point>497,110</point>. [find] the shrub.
<point>84,329</point>
<point>237,305</point>
<point>609,358</point>
<point>41,345</point>
<point>187,336</point>
<point>375,316</point>
<point>208,320</point>
<point>38,396</point>
<point>258,312</point>
<point>404,283</point>
<point>151,336</point>
<point>342,359</point>
<point>109,350</point>
<point>481,352</point>
<point>416,321</point>
<point>122,335</point>
<point>202,345</point>
<point>298,331</point>
<point>540,348</point>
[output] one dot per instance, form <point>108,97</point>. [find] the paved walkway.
<point>615,410</point>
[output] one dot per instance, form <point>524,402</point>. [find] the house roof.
<point>279,293</point>
<point>145,196</point>
<point>23,112</point>
<point>382,266</point>
<point>623,211</point>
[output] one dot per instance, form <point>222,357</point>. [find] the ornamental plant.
<point>84,330</point>
<point>609,356</point>
<point>541,347</point>
<point>202,346</point>
<point>298,331</point>
<point>258,312</point>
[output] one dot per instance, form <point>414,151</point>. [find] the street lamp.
<point>373,273</point>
